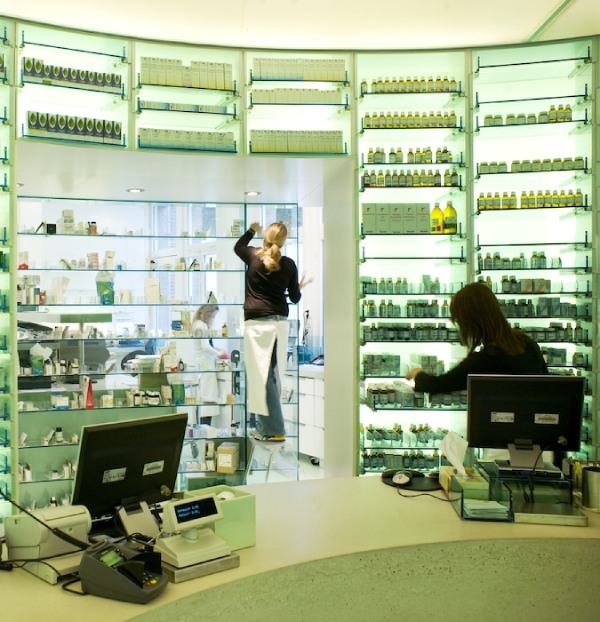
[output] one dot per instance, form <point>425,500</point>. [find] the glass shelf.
<point>195,109</point>
<point>585,207</point>
<point>456,129</point>
<point>411,341</point>
<point>302,153</point>
<point>345,106</point>
<point>575,172</point>
<point>232,92</point>
<point>56,83</point>
<point>52,445</point>
<point>562,125</point>
<point>580,97</point>
<point>168,407</point>
<point>573,269</point>
<point>452,94</point>
<point>254,79</point>
<point>460,259</point>
<point>24,42</point>
<point>576,59</point>
<point>52,136</point>
<point>459,187</point>
<point>457,163</point>
<point>580,246</point>
<point>106,308</point>
<point>141,145</point>
<point>130,270</point>
<point>100,236</point>
<point>58,480</point>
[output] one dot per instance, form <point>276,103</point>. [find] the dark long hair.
<point>477,313</point>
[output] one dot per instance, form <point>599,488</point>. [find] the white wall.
<point>340,313</point>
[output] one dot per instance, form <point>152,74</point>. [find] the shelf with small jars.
<point>95,72</point>
<point>532,229</point>
<point>411,139</point>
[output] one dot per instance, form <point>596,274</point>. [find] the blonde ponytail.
<point>274,239</point>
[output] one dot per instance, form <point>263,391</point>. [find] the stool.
<point>273,449</point>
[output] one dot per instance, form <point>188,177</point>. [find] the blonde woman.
<point>271,279</point>
<point>206,354</point>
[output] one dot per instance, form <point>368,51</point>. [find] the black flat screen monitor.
<point>128,462</point>
<point>526,414</point>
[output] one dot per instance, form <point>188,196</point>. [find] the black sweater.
<point>486,361</point>
<point>266,292</point>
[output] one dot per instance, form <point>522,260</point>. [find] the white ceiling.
<point>284,24</point>
<point>322,24</point>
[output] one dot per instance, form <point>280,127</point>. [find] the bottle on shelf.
<point>450,219</point>
<point>437,219</point>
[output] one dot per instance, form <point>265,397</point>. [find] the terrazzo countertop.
<point>352,548</point>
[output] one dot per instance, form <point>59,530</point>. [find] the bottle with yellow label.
<point>450,219</point>
<point>437,219</point>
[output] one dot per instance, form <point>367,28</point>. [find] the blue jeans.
<point>273,424</point>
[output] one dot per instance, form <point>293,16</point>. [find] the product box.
<point>369,218</point>
<point>410,217</point>
<point>396,218</point>
<point>238,525</point>
<point>228,458</point>
<point>423,217</point>
<point>383,218</point>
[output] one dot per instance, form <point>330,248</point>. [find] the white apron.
<point>259,339</point>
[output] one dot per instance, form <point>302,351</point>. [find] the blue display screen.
<point>193,510</point>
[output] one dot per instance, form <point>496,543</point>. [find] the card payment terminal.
<point>120,573</point>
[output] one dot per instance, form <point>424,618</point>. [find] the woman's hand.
<point>412,373</point>
<point>303,282</point>
<point>255,227</point>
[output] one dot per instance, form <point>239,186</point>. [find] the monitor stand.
<point>193,546</point>
<point>526,459</point>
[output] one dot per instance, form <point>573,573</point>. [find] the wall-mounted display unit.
<point>186,98</point>
<point>72,87</point>
<point>124,316</point>
<point>532,200</point>
<point>298,104</point>
<point>412,218</point>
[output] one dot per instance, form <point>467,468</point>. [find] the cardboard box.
<point>228,457</point>
<point>238,525</point>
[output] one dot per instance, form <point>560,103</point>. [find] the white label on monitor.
<point>502,417</point>
<point>151,468</point>
<point>546,418</point>
<point>114,475</point>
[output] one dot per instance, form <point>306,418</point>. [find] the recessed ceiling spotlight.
<point>252,193</point>
<point>135,190</point>
<point>20,184</point>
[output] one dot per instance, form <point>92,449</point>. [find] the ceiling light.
<point>20,184</point>
<point>252,193</point>
<point>135,190</point>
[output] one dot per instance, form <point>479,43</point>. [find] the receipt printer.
<point>26,538</point>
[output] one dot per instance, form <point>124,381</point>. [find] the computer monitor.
<point>526,414</point>
<point>127,463</point>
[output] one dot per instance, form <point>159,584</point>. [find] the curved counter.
<point>375,538</point>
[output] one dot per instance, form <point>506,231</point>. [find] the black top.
<point>266,292</point>
<point>486,361</point>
